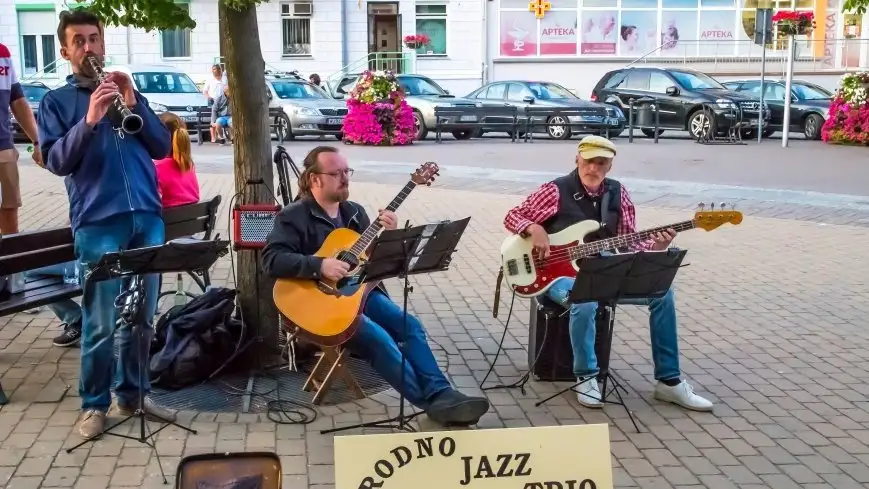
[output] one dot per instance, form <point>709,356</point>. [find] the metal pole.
<point>762,80</point>
<point>786,125</point>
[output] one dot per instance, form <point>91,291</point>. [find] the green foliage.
<point>858,6</point>
<point>149,14</point>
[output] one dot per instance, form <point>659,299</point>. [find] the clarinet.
<point>130,122</point>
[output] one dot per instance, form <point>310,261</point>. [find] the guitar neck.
<point>626,240</point>
<point>374,228</point>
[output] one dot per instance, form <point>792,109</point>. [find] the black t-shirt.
<point>337,221</point>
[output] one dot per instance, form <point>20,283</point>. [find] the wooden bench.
<point>202,126</point>
<point>32,250</point>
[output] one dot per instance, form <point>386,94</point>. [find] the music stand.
<point>179,255</point>
<point>401,253</point>
<point>610,279</point>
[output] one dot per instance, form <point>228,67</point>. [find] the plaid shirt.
<point>543,204</point>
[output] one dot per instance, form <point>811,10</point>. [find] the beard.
<point>340,195</point>
<point>86,71</point>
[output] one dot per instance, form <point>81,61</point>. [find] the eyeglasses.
<point>348,172</point>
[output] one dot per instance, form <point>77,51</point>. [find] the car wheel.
<point>463,134</point>
<point>558,128</point>
<point>285,132</point>
<point>812,127</point>
<point>699,125</point>
<point>419,126</point>
<point>768,132</point>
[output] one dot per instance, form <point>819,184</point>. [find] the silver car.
<point>306,109</point>
<point>423,94</point>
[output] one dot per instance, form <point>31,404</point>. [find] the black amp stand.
<point>400,253</point>
<point>180,255</point>
<point>609,280</point>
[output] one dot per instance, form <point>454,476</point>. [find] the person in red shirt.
<point>176,175</point>
<point>583,194</point>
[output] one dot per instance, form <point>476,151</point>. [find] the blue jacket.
<point>107,172</point>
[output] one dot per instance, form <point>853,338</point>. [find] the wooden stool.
<point>331,365</point>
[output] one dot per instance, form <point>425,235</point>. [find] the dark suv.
<point>681,95</point>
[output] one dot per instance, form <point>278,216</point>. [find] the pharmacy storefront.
<point>574,42</point>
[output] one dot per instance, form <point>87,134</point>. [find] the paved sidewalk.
<point>772,326</point>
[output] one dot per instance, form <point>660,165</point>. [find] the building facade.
<point>572,42</point>
<point>311,36</point>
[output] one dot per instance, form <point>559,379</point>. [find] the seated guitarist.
<point>578,196</point>
<point>301,228</point>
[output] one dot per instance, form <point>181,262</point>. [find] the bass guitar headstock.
<point>712,219</point>
<point>425,174</point>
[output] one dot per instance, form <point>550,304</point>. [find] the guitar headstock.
<point>712,219</point>
<point>425,174</point>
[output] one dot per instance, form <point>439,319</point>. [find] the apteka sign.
<point>552,457</point>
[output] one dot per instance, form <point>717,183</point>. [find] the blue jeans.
<point>376,340</point>
<point>662,324</point>
<point>98,365</point>
<point>67,310</point>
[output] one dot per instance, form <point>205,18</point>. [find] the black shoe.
<point>71,335</point>
<point>452,408</point>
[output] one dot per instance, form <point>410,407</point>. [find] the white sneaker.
<point>683,395</point>
<point>588,393</point>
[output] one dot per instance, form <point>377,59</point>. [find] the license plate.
<point>753,123</point>
<point>612,121</point>
<point>190,118</point>
<point>333,122</point>
<point>468,118</point>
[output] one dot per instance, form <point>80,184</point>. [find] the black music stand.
<point>179,255</point>
<point>613,278</point>
<point>400,253</point>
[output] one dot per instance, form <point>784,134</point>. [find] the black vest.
<point>575,205</point>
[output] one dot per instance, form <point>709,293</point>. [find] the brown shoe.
<point>91,423</point>
<point>150,409</point>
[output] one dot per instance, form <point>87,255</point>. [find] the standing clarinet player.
<point>113,205</point>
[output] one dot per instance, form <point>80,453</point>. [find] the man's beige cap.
<point>596,147</point>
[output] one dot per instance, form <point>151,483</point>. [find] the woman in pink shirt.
<point>176,176</point>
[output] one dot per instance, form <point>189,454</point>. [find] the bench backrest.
<point>36,249</point>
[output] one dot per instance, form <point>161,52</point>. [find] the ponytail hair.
<point>312,165</point>
<point>181,151</point>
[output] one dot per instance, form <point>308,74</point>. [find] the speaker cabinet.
<point>549,341</point>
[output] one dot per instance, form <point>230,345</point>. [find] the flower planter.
<point>848,121</point>
<point>377,113</point>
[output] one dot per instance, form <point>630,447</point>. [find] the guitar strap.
<point>498,281</point>
<point>604,208</point>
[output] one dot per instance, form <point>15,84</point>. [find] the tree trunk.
<point>240,44</point>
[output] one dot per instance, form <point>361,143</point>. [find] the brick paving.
<point>772,327</point>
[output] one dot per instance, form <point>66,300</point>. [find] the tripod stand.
<point>613,279</point>
<point>179,255</point>
<point>400,253</point>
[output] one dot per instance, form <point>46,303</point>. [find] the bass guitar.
<point>327,312</point>
<point>529,276</point>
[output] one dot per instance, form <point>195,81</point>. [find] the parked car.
<point>307,109</point>
<point>168,89</point>
<point>33,92</point>
<point>810,104</point>
<point>547,94</point>
<point>681,95</point>
<point>423,94</point>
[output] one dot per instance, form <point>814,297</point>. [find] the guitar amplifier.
<point>549,341</point>
<point>252,224</point>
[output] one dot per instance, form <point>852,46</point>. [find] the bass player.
<point>576,197</point>
<point>299,231</point>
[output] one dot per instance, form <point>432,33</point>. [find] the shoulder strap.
<point>611,205</point>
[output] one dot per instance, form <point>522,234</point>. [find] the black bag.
<point>194,340</point>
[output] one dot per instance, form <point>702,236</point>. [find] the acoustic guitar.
<point>530,276</point>
<point>327,312</point>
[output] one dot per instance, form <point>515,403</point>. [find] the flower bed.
<point>377,113</point>
<point>848,122</point>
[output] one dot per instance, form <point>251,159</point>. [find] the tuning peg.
<point>722,205</point>
<point>701,206</point>
<point>712,206</point>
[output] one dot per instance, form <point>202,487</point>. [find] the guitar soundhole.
<point>349,258</point>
